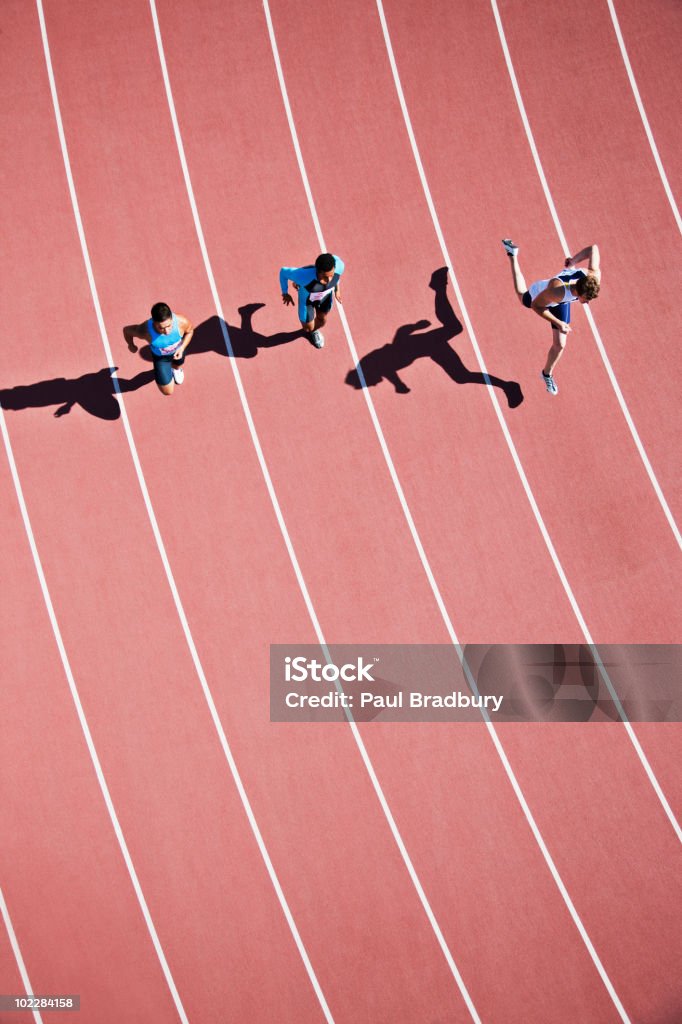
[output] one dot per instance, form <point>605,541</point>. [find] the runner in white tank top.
<point>552,298</point>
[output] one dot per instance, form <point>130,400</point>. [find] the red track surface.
<point>224,936</point>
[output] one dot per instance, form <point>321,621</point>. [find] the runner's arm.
<point>133,331</point>
<point>549,296</point>
<point>591,254</point>
<point>187,332</point>
<point>339,267</point>
<point>287,274</point>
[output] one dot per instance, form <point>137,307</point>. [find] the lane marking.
<point>84,724</point>
<point>282,525</point>
<point>389,462</point>
<point>16,950</point>
<point>526,810</point>
<point>512,448</point>
<point>169,575</point>
<point>567,252</point>
<point>642,114</point>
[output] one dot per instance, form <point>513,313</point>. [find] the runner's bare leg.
<point>556,351</point>
<point>519,279</point>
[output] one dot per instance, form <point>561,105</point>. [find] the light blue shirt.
<point>164,344</point>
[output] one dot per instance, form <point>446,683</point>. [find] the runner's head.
<point>325,267</point>
<point>162,317</point>
<point>587,288</point>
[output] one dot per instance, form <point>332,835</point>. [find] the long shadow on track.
<point>246,342</point>
<point>407,346</point>
<point>94,392</point>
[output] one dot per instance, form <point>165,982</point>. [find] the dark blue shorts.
<point>562,311</point>
<point>319,307</point>
<point>163,368</point>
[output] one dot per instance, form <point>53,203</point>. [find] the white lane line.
<point>85,727</point>
<point>418,544</point>
<point>510,443</point>
<point>567,252</point>
<point>282,525</point>
<point>166,564</point>
<point>413,530</point>
<point>642,114</point>
<point>17,954</point>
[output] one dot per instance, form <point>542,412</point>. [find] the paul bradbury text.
<point>413,699</point>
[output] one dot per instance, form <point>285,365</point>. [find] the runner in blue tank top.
<point>316,286</point>
<point>168,335</point>
<point>551,299</point>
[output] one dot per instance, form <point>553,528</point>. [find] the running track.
<point>167,852</point>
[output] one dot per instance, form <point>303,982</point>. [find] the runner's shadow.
<point>93,392</point>
<point>246,342</point>
<point>407,346</point>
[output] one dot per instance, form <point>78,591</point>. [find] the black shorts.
<point>318,307</point>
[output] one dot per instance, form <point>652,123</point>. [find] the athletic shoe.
<point>550,383</point>
<point>178,374</point>
<point>317,339</point>
<point>510,247</point>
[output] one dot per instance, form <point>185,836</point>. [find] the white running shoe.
<point>510,247</point>
<point>550,383</point>
<point>317,339</point>
<point>178,374</point>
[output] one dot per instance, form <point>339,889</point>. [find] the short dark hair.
<point>160,312</point>
<point>325,262</point>
<point>587,286</point>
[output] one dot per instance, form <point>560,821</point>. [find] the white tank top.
<point>567,276</point>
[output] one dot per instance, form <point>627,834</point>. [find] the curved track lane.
<point>650,35</point>
<point>607,189</point>
<point>77,922</point>
<point>369,941</point>
<point>211,592</point>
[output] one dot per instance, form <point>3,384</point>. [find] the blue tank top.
<point>164,344</point>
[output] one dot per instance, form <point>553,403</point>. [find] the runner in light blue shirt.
<point>168,335</point>
<point>316,285</point>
